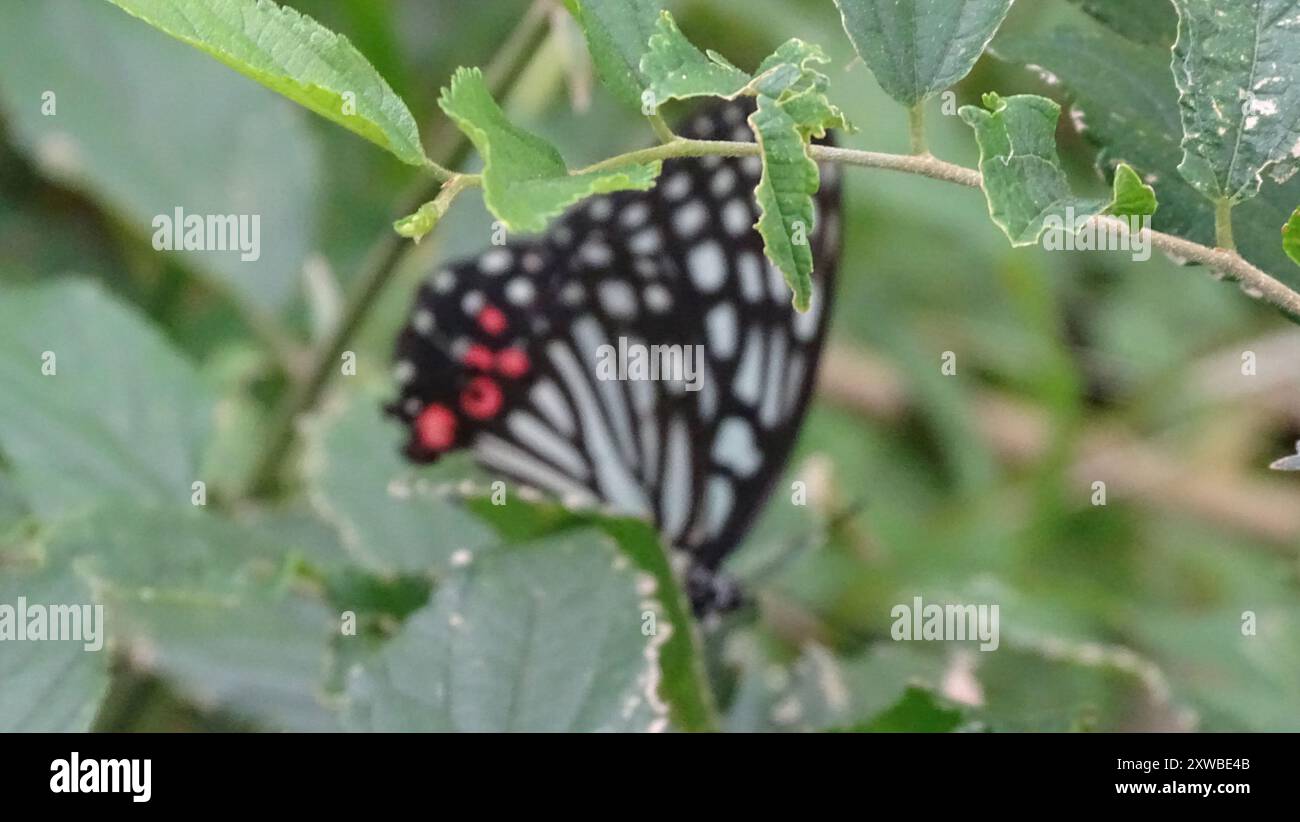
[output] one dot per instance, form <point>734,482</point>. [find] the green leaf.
<point>618,32</point>
<point>294,55</point>
<point>540,637</point>
<point>1023,179</point>
<point>1133,198</point>
<point>792,108</point>
<point>1055,685</point>
<point>1291,237</point>
<point>683,685</point>
<point>50,685</point>
<point>121,416</point>
<point>206,604</point>
<point>918,711</point>
<point>820,691</point>
<point>1127,105</point>
<point>1148,21</point>
<point>13,510</point>
<point>525,181</point>
<point>416,225</point>
<point>784,195</point>
<point>203,139</point>
<point>675,69</point>
<point>1237,68</point>
<point>391,517</point>
<point>917,48</point>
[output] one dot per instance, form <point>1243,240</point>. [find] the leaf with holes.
<point>792,108</point>
<point>525,181</point>
<point>546,636</point>
<point>1126,103</point>
<point>618,33</point>
<point>784,196</point>
<point>683,685</point>
<point>1237,68</point>
<point>917,48</point>
<point>96,404</point>
<point>675,69</point>
<point>292,54</point>
<point>1024,183</point>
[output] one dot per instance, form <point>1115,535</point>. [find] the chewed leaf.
<point>292,54</point>
<point>784,196</point>
<point>1133,198</point>
<point>1237,67</point>
<point>545,636</point>
<point>525,181</point>
<point>1026,187</point>
<point>618,33</point>
<point>917,48</point>
<point>1291,237</point>
<point>1125,99</point>
<point>676,69</point>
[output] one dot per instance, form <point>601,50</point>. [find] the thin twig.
<point>1256,282</point>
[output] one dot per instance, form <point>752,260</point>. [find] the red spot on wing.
<point>513,363</point>
<point>481,399</point>
<point>435,428</point>
<point>493,320</point>
<point>479,357</point>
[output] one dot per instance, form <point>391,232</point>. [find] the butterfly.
<point>508,354</point>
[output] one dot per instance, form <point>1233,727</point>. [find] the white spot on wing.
<point>723,331</point>
<point>617,298</point>
<point>749,376</point>
<point>548,399</point>
<point>545,441</point>
<point>751,276</point>
<point>736,217</point>
<point>721,498</point>
<point>708,266</point>
<point>689,220</point>
<point>496,261</point>
<point>676,494</point>
<point>520,291</point>
<point>677,186</point>
<point>734,447</point>
<point>616,483</point>
<point>770,413</point>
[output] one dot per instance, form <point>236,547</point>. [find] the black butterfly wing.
<point>676,269</point>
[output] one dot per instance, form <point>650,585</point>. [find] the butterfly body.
<point>503,354</point>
